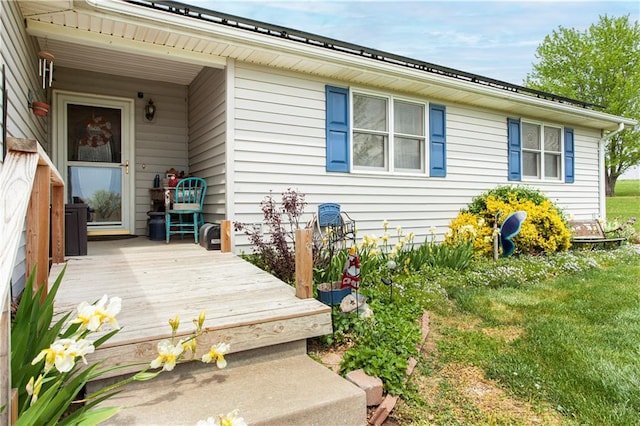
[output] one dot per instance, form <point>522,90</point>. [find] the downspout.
<point>601,166</point>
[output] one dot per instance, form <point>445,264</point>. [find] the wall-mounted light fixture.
<point>149,110</point>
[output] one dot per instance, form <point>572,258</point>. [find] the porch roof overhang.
<point>119,37</point>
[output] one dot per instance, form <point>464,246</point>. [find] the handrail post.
<point>225,236</point>
<point>304,263</point>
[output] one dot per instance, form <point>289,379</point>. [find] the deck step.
<point>290,321</point>
<point>275,386</point>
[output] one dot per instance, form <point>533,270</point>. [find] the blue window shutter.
<point>515,149</point>
<point>569,160</point>
<point>437,141</point>
<point>337,128</point>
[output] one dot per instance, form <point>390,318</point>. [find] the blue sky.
<point>496,39</point>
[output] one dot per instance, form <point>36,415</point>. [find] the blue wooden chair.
<point>185,215</point>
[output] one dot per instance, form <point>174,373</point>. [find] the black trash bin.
<point>75,229</point>
<point>156,226</point>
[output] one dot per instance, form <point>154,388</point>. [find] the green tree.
<point>600,66</point>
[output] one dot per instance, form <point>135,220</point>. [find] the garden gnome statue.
<point>351,271</point>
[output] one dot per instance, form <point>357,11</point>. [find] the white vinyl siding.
<point>582,197</point>
<point>160,144</point>
<point>20,60</point>
<point>280,144</point>
<point>207,138</point>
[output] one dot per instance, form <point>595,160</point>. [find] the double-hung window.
<point>541,154</point>
<point>388,134</point>
<point>540,151</point>
<point>374,132</point>
<point>370,132</point>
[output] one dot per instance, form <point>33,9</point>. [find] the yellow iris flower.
<point>174,323</point>
<point>167,355</point>
<point>216,353</point>
<point>92,317</point>
<point>63,353</point>
<point>231,419</point>
<point>34,387</point>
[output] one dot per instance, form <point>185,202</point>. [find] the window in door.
<point>94,154</point>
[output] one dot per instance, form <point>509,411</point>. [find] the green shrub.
<point>384,344</point>
<point>544,230</point>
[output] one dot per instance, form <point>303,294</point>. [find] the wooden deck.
<point>245,306</point>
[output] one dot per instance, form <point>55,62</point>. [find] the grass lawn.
<point>564,351</point>
<point>626,203</point>
<point>627,188</point>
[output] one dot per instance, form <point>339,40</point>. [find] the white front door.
<point>94,137</point>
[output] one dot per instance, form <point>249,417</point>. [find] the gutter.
<point>612,134</point>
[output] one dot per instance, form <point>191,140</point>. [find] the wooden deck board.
<point>244,305</point>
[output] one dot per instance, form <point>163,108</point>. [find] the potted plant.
<point>331,294</point>
<point>41,109</point>
<point>328,275</point>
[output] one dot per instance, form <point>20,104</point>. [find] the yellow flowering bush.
<point>543,231</point>
<point>467,226</point>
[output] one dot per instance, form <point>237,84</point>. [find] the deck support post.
<point>304,263</point>
<point>225,236</point>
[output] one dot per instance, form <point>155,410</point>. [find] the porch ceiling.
<point>124,39</point>
<point>90,58</point>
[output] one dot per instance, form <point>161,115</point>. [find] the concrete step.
<point>277,386</point>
